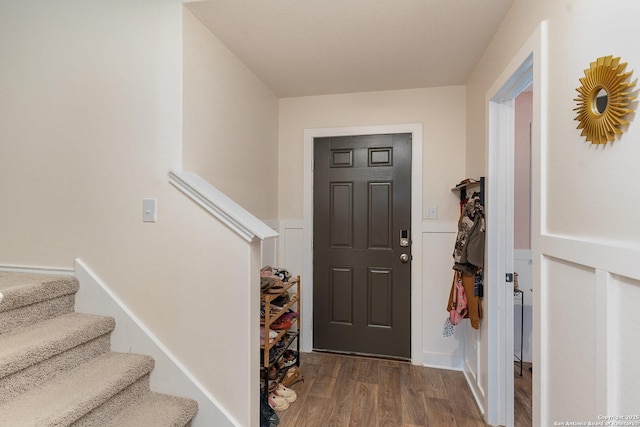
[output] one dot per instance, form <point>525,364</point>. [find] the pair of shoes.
<point>269,284</point>
<point>281,324</point>
<point>272,336</point>
<point>263,333</point>
<point>283,274</point>
<point>290,314</point>
<point>286,392</point>
<point>289,358</point>
<point>271,374</point>
<point>292,376</point>
<point>268,416</point>
<point>273,385</point>
<point>275,289</point>
<point>278,403</point>
<point>272,355</point>
<point>283,299</point>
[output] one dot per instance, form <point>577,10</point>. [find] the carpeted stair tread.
<point>39,373</point>
<point>37,312</point>
<point>26,346</point>
<point>22,289</point>
<point>68,397</point>
<point>156,410</point>
<point>56,367</point>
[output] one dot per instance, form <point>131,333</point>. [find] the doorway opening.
<point>415,130</point>
<point>500,235</point>
<point>361,244</point>
<point>525,70</point>
<point>522,261</point>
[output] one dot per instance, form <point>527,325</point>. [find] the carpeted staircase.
<point>57,369</point>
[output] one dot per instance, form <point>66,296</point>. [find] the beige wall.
<point>588,206</point>
<point>92,120</point>
<point>91,123</point>
<point>593,187</point>
<point>440,110</point>
<point>230,129</point>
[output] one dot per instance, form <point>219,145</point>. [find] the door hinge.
<point>509,278</point>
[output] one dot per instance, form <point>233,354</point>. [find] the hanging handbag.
<point>458,309</point>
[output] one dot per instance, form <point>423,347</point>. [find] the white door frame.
<point>527,67</point>
<point>306,340</point>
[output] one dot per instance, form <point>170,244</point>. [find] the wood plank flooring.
<point>357,391</point>
<point>522,392</point>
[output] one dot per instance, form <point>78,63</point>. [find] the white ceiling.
<point>315,47</point>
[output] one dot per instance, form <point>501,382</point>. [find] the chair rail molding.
<point>221,206</point>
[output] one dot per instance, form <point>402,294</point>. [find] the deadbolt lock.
<point>404,238</point>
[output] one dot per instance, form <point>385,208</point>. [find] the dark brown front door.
<point>362,205</point>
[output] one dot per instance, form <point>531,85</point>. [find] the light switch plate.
<point>149,210</point>
<point>431,212</point>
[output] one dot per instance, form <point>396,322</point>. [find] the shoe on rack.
<point>281,324</point>
<point>290,358</point>
<point>281,300</point>
<point>271,373</point>
<point>272,355</point>
<point>286,392</point>
<point>263,333</point>
<point>278,403</point>
<point>268,416</point>
<point>292,376</point>
<point>290,314</point>
<point>263,311</point>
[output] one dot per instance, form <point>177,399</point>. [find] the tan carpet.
<point>56,367</point>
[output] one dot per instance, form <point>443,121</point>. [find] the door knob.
<point>404,257</point>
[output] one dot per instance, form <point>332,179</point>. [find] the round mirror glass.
<point>600,101</point>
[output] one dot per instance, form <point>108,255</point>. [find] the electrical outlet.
<point>149,210</point>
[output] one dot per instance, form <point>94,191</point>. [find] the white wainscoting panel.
<point>624,347</point>
<point>472,368</point>
<point>571,385</point>
<point>589,294</point>
<point>437,248</point>
<point>290,246</point>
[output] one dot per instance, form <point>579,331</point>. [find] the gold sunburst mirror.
<point>603,100</point>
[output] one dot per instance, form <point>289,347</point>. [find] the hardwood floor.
<point>357,391</point>
<point>522,392</point>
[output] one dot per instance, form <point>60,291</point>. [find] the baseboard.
<point>447,361</point>
<point>131,335</point>
<point>477,393</point>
